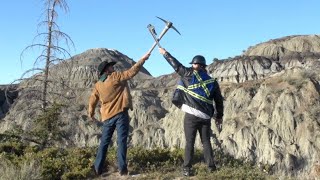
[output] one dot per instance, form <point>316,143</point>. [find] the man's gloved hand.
<point>218,122</point>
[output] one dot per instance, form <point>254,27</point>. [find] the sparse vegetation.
<point>46,131</point>
<point>47,128</point>
<point>74,163</point>
<point>22,171</point>
<point>215,59</point>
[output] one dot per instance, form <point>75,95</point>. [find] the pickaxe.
<point>154,34</point>
<point>166,28</point>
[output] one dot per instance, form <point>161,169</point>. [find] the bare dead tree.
<point>47,89</point>
<point>51,52</point>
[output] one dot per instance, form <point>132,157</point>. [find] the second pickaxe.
<point>154,34</point>
<point>166,28</point>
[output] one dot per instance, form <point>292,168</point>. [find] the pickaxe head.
<point>153,33</point>
<point>152,29</point>
<point>169,24</point>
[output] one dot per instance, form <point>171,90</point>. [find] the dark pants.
<point>192,124</point>
<point>121,123</point>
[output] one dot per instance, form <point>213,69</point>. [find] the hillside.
<point>272,104</point>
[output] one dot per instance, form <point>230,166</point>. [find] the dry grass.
<point>27,171</point>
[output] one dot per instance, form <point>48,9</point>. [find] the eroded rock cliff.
<point>272,109</point>
<point>268,58</point>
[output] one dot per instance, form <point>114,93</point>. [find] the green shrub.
<point>141,159</point>
<point>74,163</point>
<point>223,159</point>
<point>70,163</point>
<point>16,148</point>
<point>9,137</point>
<point>47,127</point>
<point>53,162</point>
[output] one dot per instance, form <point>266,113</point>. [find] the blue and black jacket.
<point>196,89</point>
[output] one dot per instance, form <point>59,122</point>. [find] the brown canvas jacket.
<point>113,93</point>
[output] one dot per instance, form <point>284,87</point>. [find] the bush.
<point>71,163</point>
<point>74,163</point>
<point>15,148</point>
<point>141,159</point>
<point>47,127</point>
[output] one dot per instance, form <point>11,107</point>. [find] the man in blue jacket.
<point>194,95</point>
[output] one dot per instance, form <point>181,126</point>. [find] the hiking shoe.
<point>186,171</point>
<point>123,172</point>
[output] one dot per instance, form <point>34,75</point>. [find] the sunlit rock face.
<point>271,104</point>
<point>267,58</point>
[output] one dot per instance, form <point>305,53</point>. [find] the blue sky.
<point>212,28</point>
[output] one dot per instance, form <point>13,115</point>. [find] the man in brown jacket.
<point>113,93</point>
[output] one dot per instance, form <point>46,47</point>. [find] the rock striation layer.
<point>272,104</point>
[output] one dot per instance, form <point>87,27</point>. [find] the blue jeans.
<point>121,123</point>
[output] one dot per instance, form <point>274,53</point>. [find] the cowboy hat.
<point>103,65</point>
